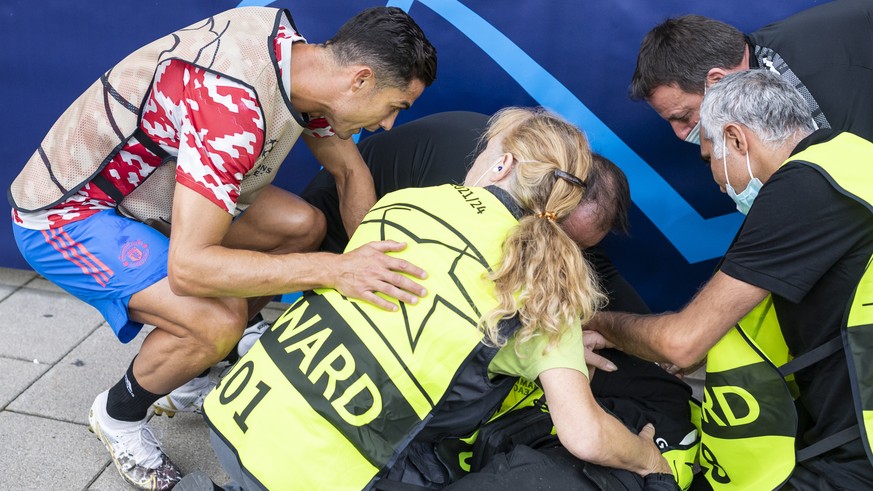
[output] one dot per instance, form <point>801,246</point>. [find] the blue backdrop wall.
<point>575,57</point>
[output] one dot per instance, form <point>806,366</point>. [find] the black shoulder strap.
<point>150,144</point>
<point>805,360</point>
<point>812,357</point>
<point>110,189</point>
<point>829,443</point>
<point>386,485</point>
<point>107,187</point>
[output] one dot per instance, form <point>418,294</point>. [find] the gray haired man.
<point>794,283</point>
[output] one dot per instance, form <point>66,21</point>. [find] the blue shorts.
<point>101,260</point>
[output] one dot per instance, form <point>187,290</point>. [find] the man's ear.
<point>735,138</point>
<point>714,75</point>
<point>363,78</point>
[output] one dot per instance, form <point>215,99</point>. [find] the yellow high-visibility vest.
<point>331,395</point>
<point>748,418</point>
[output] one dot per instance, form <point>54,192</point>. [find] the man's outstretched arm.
<point>682,338</point>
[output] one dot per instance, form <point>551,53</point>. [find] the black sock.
<point>128,401</point>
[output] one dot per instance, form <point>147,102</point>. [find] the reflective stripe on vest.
<point>748,420</point>
<point>336,389</point>
<point>748,415</point>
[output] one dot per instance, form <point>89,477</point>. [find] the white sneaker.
<point>251,335</point>
<point>134,449</point>
<point>186,399</point>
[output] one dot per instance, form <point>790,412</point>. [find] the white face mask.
<point>496,168</point>
<point>743,200</point>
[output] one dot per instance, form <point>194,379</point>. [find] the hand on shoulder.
<point>368,270</point>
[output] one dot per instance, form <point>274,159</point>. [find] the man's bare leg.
<point>191,333</point>
<point>278,222</point>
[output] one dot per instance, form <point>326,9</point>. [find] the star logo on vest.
<point>134,253</point>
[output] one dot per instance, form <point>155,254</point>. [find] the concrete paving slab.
<point>6,291</point>
<point>186,441</point>
<point>44,325</point>
<point>67,390</point>
<point>273,310</point>
<point>13,279</point>
<point>42,284</point>
<point>695,380</point>
<point>41,454</point>
<point>109,480</point>
<point>16,277</point>
<point>16,376</point>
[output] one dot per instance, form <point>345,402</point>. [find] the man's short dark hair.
<point>387,40</point>
<point>609,189</point>
<point>681,51</point>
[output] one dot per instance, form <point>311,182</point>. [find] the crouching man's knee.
<point>218,331</point>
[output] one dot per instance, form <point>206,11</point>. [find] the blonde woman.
<point>340,394</point>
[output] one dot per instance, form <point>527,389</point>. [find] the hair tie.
<point>569,178</point>
<point>548,215</point>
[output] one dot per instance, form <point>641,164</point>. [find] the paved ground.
<point>56,355</point>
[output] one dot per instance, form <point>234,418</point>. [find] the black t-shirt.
<point>808,245</point>
<point>437,149</point>
<point>829,48</point>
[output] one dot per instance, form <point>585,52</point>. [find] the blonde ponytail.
<point>542,277</point>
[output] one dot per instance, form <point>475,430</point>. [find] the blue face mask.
<point>694,135</point>
<point>743,200</point>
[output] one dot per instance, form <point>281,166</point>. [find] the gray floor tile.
<point>695,380</point>
<point>6,290</point>
<point>42,284</point>
<point>16,376</point>
<point>16,277</point>
<point>40,454</point>
<point>44,325</point>
<point>273,310</point>
<point>186,441</point>
<point>67,390</point>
